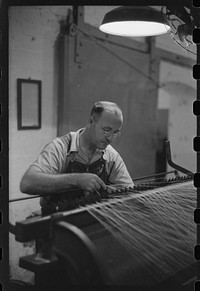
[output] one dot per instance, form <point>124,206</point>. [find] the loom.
<point>117,240</point>
<point>78,247</point>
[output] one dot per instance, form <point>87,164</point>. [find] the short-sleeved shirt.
<point>56,155</point>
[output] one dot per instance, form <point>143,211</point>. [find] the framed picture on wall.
<point>29,103</point>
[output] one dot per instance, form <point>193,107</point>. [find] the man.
<point>83,159</point>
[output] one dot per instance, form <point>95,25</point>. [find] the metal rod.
<point>172,164</point>
<point>25,198</point>
<point>156,175</point>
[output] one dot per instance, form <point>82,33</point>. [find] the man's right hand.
<point>89,182</point>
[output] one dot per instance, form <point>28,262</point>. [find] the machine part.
<point>83,266</point>
<point>172,164</point>
<point>38,226</point>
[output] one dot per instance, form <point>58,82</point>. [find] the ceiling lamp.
<point>135,21</point>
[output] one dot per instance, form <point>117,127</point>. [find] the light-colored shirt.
<point>56,155</point>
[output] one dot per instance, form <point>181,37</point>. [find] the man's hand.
<point>89,182</point>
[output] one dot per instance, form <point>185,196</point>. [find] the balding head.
<point>110,107</point>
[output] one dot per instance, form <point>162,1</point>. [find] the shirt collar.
<point>75,140</point>
<point>75,143</point>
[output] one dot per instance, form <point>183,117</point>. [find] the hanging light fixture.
<point>135,21</point>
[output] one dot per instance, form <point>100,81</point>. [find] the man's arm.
<point>36,182</point>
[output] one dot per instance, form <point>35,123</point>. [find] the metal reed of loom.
<point>72,246</point>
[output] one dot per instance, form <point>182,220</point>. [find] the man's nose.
<point>110,138</point>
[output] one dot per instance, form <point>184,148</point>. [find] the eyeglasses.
<point>108,132</point>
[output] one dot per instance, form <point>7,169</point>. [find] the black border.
<point>4,173</point>
<point>4,116</point>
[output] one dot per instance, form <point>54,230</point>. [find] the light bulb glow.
<point>135,28</point>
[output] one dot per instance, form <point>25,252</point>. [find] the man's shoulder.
<point>62,140</point>
<point>69,140</point>
<point>65,137</point>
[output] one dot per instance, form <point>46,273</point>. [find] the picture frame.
<point>29,104</point>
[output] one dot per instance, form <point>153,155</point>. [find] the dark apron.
<point>72,199</point>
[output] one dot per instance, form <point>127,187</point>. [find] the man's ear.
<point>91,120</point>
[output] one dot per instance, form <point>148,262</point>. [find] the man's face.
<point>106,128</point>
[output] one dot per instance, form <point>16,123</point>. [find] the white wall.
<point>32,35</point>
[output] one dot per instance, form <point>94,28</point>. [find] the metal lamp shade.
<point>135,21</point>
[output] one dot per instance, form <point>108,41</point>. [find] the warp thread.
<point>156,227</point>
